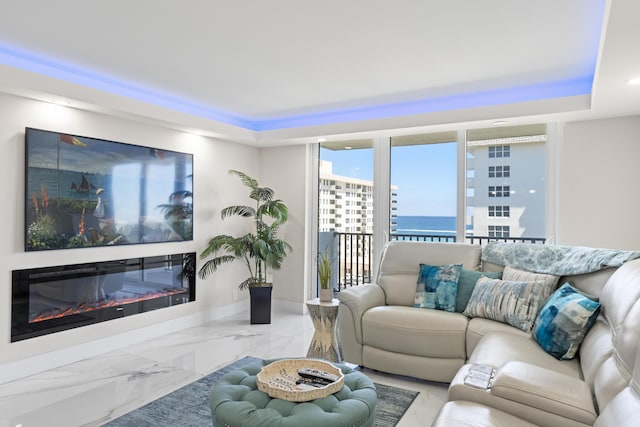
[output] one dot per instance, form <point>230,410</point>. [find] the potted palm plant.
<point>260,249</point>
<point>324,276</point>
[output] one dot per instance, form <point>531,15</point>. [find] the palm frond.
<point>215,244</point>
<point>275,209</point>
<point>246,179</point>
<point>245,211</point>
<point>262,194</point>
<point>212,265</point>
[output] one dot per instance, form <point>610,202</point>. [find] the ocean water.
<point>425,225</point>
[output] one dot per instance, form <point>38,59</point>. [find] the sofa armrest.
<point>546,390</point>
<point>354,302</point>
<point>357,300</point>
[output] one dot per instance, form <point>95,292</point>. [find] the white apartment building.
<point>345,204</point>
<point>506,186</point>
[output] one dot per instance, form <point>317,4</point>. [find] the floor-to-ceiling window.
<point>472,185</point>
<point>506,183</point>
<point>423,187</point>
<point>345,209</point>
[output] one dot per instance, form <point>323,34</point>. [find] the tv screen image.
<point>88,192</point>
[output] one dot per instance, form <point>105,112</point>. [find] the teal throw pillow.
<point>467,282</point>
<point>564,321</point>
<point>510,302</point>
<point>437,287</point>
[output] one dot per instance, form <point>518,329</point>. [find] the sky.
<point>424,174</point>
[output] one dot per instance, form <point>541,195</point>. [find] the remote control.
<point>305,387</point>
<point>318,382</point>
<point>317,374</point>
<point>312,383</point>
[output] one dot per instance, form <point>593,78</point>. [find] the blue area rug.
<point>189,405</point>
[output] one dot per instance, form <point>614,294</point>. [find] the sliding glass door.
<point>345,209</point>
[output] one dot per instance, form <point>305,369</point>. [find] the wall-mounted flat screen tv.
<point>87,192</point>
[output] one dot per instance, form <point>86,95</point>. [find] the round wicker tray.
<point>278,380</point>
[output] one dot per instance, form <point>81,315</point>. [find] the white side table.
<point>324,344</point>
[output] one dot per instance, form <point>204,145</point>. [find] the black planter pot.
<point>260,297</point>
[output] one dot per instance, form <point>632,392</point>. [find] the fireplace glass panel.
<point>53,299</point>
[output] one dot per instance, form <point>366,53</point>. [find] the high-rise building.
<point>345,204</point>
<point>506,186</point>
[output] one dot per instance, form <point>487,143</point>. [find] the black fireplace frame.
<point>22,280</point>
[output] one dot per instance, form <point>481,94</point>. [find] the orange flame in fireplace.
<point>84,308</point>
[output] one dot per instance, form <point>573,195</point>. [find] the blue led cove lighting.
<point>535,92</point>
<point>38,64</point>
<point>59,70</point>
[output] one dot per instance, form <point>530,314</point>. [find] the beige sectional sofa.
<point>380,328</point>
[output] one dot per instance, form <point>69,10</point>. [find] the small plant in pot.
<point>324,276</point>
<point>260,249</point>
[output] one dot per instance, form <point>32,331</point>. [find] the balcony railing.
<point>352,252</point>
<point>353,258</point>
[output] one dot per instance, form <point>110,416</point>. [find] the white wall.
<point>598,178</point>
<point>284,170</point>
<point>213,190</point>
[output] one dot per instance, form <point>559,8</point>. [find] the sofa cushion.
<point>564,321</point>
<point>546,390</point>
<point>479,327</point>
<point>401,260</point>
<point>437,287</point>
<point>514,303</point>
<point>466,283</point>
<point>407,330</point>
<point>497,348</point>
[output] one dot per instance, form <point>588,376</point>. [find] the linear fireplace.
<point>53,299</point>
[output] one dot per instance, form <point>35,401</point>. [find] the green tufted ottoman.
<point>236,402</point>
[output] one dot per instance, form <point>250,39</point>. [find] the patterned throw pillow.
<point>437,287</point>
<point>564,321</point>
<point>548,281</point>
<point>467,282</point>
<point>514,303</point>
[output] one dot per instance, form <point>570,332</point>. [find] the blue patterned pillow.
<point>437,287</point>
<point>506,301</point>
<point>564,321</point>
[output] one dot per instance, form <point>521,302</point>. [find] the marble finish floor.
<point>96,390</point>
